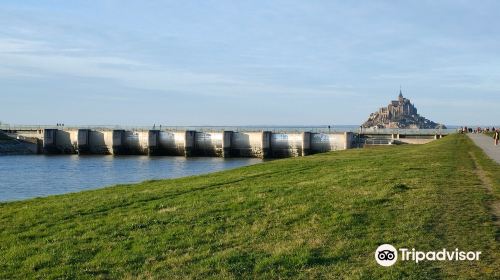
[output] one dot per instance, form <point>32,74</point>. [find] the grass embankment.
<point>320,216</point>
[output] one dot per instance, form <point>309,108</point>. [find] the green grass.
<point>319,216</point>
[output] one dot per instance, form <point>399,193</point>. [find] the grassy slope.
<point>317,216</point>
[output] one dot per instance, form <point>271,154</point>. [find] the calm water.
<point>37,175</point>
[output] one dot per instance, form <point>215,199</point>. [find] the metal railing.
<point>378,141</point>
<point>407,131</point>
<point>276,129</point>
<point>323,129</point>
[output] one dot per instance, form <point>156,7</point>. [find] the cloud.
<point>23,58</point>
<point>12,45</point>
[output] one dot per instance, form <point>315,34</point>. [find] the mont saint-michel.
<point>399,113</point>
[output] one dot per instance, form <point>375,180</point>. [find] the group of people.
<point>466,129</point>
<point>496,132</point>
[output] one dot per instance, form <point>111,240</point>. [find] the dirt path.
<point>486,144</point>
<point>488,184</point>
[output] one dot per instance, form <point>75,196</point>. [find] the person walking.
<point>496,137</point>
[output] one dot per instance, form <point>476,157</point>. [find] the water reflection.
<point>32,176</point>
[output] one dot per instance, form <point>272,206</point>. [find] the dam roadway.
<point>208,141</point>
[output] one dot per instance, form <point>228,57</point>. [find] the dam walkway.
<point>486,144</point>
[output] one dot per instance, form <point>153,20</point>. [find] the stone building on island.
<point>399,113</point>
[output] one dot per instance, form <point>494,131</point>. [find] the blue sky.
<point>246,62</point>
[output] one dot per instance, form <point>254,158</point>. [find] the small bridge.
<point>400,136</point>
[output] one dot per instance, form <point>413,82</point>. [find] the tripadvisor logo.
<point>387,255</point>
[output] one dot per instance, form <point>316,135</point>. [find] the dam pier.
<point>189,143</point>
<point>204,141</point>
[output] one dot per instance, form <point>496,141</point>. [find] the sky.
<point>246,62</point>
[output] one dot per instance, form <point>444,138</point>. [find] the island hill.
<point>400,113</point>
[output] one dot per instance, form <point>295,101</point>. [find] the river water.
<point>29,176</point>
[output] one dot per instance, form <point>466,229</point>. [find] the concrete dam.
<point>188,143</point>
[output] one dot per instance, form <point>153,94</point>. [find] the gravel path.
<point>486,143</point>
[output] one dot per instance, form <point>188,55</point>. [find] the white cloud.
<point>23,58</point>
<point>11,45</point>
